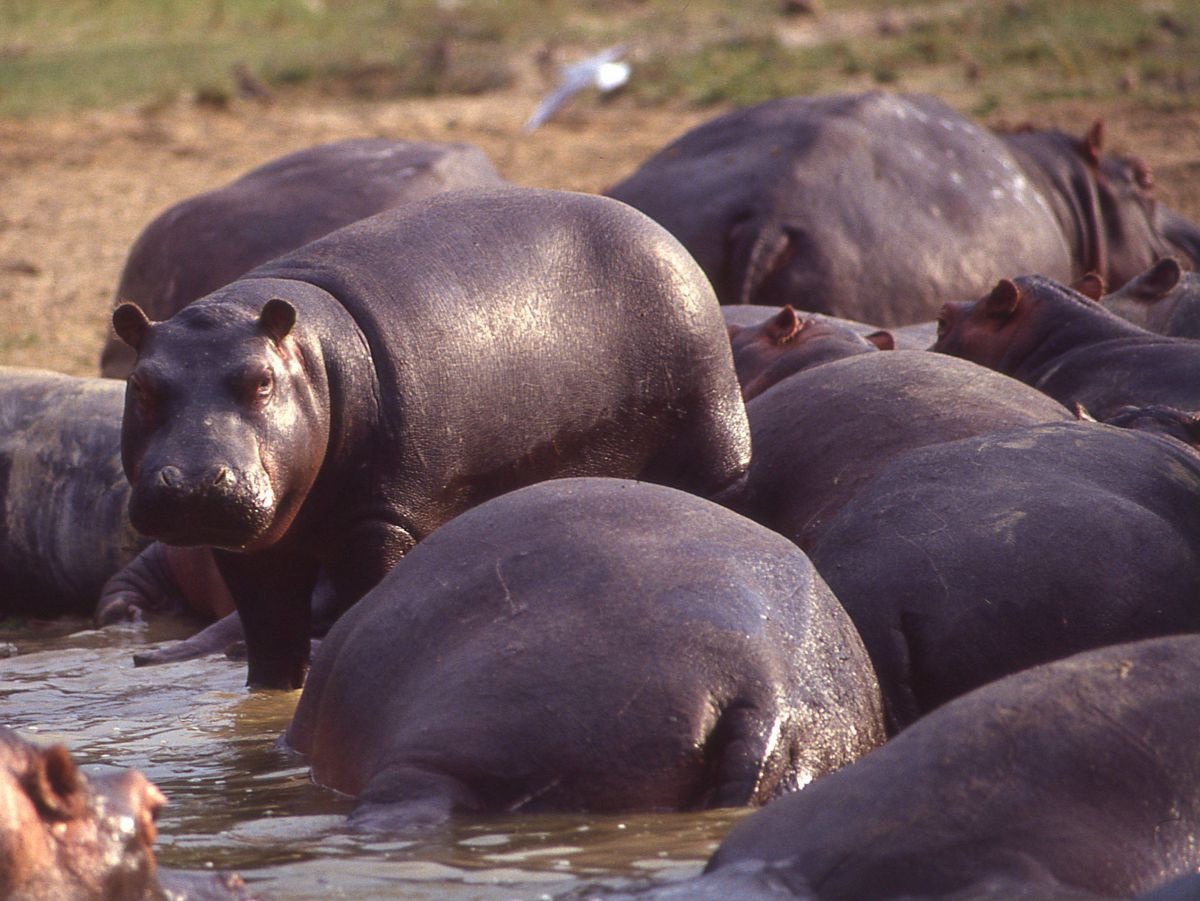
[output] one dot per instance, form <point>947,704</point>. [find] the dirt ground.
<point>77,190</point>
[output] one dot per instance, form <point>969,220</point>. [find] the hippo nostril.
<point>170,476</point>
<point>221,476</point>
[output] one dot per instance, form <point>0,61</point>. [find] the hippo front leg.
<point>273,592</point>
<point>372,548</point>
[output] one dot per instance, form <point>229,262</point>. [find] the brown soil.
<point>77,190</point>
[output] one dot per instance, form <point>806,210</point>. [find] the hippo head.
<point>226,422</point>
<point>1158,420</point>
<point>63,835</point>
<point>986,331</point>
<point>769,352</point>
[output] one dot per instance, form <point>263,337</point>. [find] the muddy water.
<point>238,803</point>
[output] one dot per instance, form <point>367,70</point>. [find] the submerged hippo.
<point>207,241</point>
<point>1164,299</point>
<point>587,645</point>
<point>1003,551</point>
<point>1069,346</point>
<point>881,207</point>
<point>66,545</point>
<point>1073,780</point>
<point>334,406</point>
<point>822,434</point>
<point>65,835</point>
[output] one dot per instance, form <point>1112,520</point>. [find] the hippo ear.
<point>1091,285</point>
<point>1156,282</point>
<point>54,785</point>
<point>131,324</point>
<point>785,325</point>
<point>1082,414</point>
<point>883,339</point>
<point>277,318</point>
<point>1093,142</point>
<point>1003,301</point>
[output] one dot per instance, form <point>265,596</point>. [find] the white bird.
<point>605,71</point>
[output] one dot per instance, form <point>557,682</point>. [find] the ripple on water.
<point>237,802</point>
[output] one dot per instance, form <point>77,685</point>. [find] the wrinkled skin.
<point>66,835</point>
<point>1007,550</point>
<point>66,545</point>
<point>880,207</point>
<point>1077,779</point>
<point>1072,348</point>
<point>207,241</point>
<point>1164,299</point>
<point>717,669</point>
<point>785,343</point>
<point>821,435</point>
<point>333,407</point>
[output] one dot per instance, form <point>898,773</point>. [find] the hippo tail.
<point>757,250</point>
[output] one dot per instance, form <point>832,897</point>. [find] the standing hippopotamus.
<point>770,351</point>
<point>65,835</point>
<point>66,545</point>
<point>1074,780</point>
<point>822,434</point>
<point>1164,299</point>
<point>1067,345</point>
<point>965,561</point>
<point>336,405</point>
<point>587,645</point>
<point>206,241</point>
<point>881,207</point>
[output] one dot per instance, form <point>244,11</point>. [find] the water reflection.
<point>237,802</point>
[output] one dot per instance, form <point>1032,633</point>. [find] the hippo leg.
<point>214,639</point>
<point>273,591</point>
<point>406,797</point>
<point>368,553</point>
<point>144,585</point>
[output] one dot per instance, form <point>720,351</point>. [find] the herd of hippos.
<point>493,446</point>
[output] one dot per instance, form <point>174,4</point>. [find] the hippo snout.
<point>212,503</point>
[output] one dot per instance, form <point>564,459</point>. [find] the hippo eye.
<point>260,386</point>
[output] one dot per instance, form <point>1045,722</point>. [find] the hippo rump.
<point>965,561</point>
<point>1164,299</point>
<point>1073,780</point>
<point>587,645</point>
<point>1069,346</point>
<point>334,406</point>
<point>880,207</point>
<point>206,241</point>
<point>65,835</point>
<point>821,435</point>
<point>66,545</point>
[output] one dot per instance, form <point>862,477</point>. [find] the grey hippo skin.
<point>66,545</point>
<point>1072,348</point>
<point>1074,780</point>
<point>880,207</point>
<point>335,406</point>
<point>965,561</point>
<point>820,435</point>
<point>1164,299</point>
<point>64,835</point>
<point>206,241</point>
<point>587,645</point>
<point>769,351</point>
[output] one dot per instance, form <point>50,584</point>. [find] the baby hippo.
<point>64,835</point>
<point>592,645</point>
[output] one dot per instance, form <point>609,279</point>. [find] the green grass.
<point>72,54</point>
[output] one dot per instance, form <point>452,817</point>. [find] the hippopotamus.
<point>206,241</point>
<point>1072,780</point>
<point>880,207</point>
<point>1069,346</point>
<point>67,835</point>
<point>785,343</point>
<point>66,545</point>
<point>587,644</point>
<point>334,406</point>
<point>1007,550</point>
<point>1164,299</point>
<point>820,435</point>
<point>1178,424</point>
